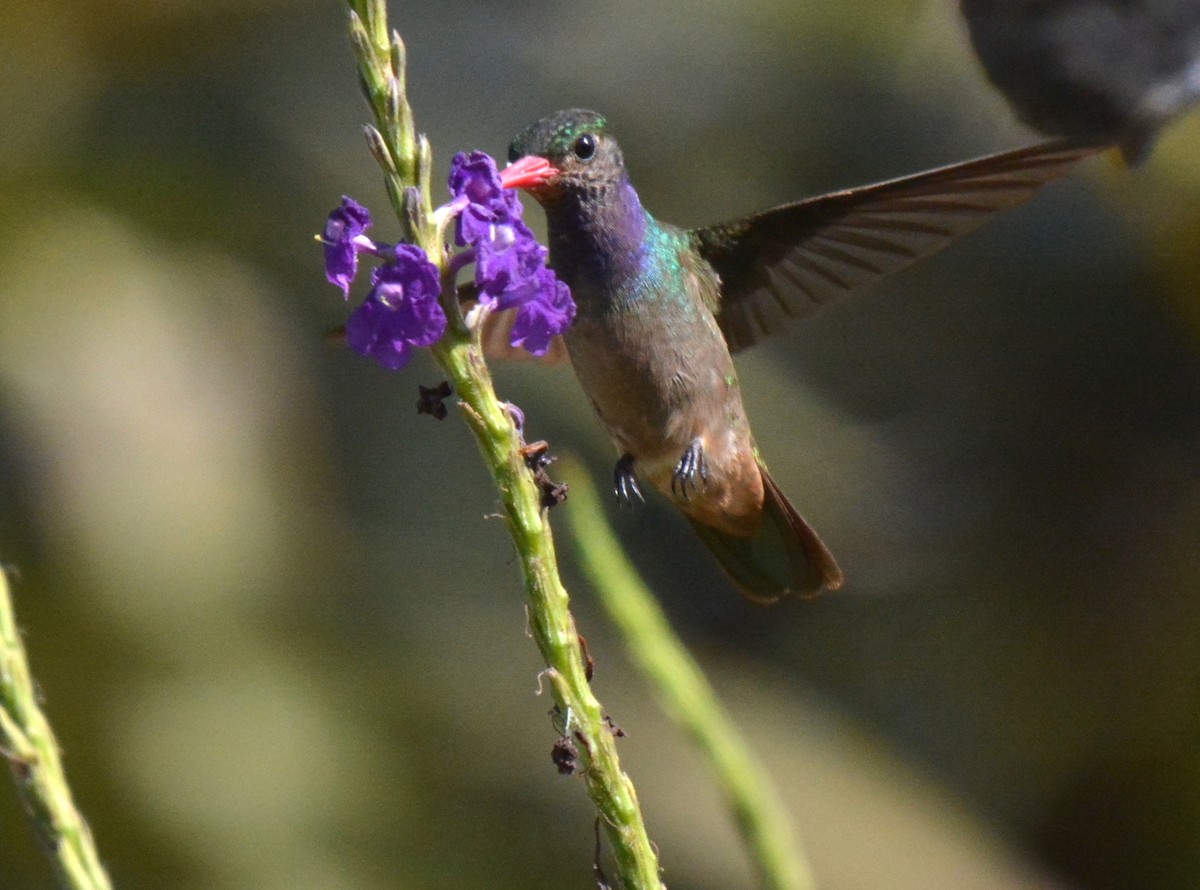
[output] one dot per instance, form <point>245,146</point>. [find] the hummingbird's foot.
<point>691,467</point>
<point>625,484</point>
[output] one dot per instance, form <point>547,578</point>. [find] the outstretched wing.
<point>787,262</point>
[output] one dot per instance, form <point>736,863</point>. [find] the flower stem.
<point>684,691</point>
<point>404,157</point>
<point>550,618</point>
<point>27,742</point>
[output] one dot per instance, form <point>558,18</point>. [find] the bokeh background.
<point>281,644</point>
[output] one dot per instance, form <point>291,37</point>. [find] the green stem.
<point>550,618</point>
<point>404,157</point>
<point>28,744</point>
<point>684,692</point>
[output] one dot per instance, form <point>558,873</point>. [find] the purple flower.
<point>506,263</point>
<point>544,310</point>
<point>343,239</point>
<point>400,312</point>
<point>402,309</point>
<point>492,211</point>
<point>475,177</point>
<point>510,266</point>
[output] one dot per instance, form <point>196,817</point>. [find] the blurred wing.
<point>495,340</point>
<point>787,262</point>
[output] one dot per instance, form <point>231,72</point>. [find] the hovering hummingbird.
<point>661,309</point>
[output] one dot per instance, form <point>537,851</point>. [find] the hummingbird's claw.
<point>691,466</point>
<point>625,484</point>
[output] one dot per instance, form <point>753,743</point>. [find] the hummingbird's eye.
<point>584,147</point>
<point>514,152</point>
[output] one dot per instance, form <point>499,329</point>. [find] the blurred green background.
<point>281,644</point>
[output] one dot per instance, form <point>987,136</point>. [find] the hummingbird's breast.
<point>649,354</point>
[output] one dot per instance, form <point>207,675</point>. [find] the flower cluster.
<point>402,309</point>
<point>400,312</point>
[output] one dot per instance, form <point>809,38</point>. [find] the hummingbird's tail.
<point>784,556</point>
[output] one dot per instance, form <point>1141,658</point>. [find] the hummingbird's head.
<point>569,151</point>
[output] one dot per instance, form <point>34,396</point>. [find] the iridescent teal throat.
<point>659,274</point>
<point>613,253</point>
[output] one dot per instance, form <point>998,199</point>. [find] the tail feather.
<point>785,556</point>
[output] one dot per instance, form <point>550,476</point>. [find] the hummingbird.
<point>661,310</point>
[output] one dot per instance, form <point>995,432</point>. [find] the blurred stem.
<point>28,744</point>
<point>684,692</point>
<point>404,156</point>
